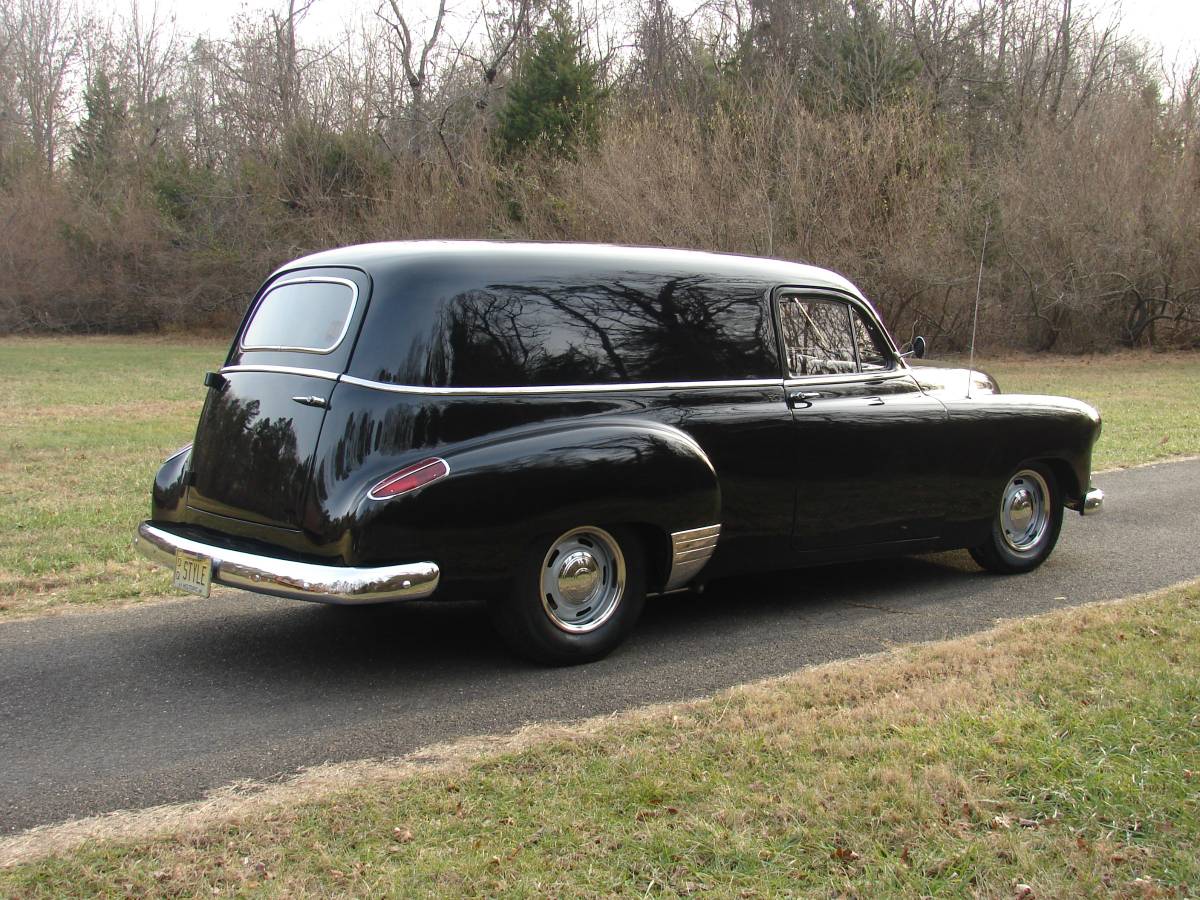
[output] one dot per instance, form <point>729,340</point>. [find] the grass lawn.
<point>1051,757</point>
<point>87,421</point>
<point>1150,402</point>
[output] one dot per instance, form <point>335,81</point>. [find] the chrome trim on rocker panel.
<point>282,370</point>
<point>560,388</point>
<point>690,552</point>
<point>315,279</point>
<point>289,578</point>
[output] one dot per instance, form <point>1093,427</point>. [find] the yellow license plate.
<point>193,572</point>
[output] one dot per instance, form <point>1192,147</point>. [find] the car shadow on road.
<point>268,639</point>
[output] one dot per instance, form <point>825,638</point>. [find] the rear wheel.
<point>575,597</point>
<point>1026,524</point>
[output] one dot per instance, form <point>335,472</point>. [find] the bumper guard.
<point>1093,503</point>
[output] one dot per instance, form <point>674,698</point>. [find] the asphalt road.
<point>158,704</point>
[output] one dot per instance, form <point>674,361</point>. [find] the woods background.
<point>149,179</point>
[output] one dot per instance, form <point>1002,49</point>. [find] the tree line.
<point>149,179</point>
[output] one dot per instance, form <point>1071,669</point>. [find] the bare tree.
<point>43,45</point>
<point>415,58</point>
<point>151,57</point>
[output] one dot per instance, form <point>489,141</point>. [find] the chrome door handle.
<point>320,402</point>
<point>874,401</point>
<point>802,397</point>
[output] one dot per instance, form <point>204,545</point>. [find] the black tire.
<point>570,631</point>
<point>1025,526</point>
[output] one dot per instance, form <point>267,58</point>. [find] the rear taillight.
<point>410,478</point>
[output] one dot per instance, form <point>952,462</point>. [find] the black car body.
<point>562,425</point>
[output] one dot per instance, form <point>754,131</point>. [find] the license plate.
<point>193,572</point>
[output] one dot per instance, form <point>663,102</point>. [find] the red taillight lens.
<point>410,478</point>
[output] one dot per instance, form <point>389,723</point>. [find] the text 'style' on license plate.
<point>193,572</point>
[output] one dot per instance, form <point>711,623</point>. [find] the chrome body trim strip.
<point>314,279</point>
<point>282,370</point>
<point>883,375</point>
<point>345,585</point>
<point>182,450</point>
<point>560,388</point>
<point>1093,502</point>
<point>690,552</point>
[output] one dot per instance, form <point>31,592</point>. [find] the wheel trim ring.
<point>1025,512</point>
<point>566,604</point>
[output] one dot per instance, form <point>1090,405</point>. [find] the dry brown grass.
<point>1090,227</point>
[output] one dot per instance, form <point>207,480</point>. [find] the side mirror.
<point>917,351</point>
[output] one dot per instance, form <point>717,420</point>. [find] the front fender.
<point>994,434</point>
<point>500,495</point>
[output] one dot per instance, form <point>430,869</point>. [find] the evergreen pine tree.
<point>554,102</point>
<point>96,150</point>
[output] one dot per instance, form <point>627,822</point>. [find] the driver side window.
<point>824,336</point>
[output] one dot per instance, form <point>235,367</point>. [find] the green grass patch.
<point>1060,753</point>
<point>87,421</point>
<point>1148,401</point>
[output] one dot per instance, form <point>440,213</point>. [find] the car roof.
<point>378,258</point>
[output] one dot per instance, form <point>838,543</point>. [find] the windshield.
<point>310,315</point>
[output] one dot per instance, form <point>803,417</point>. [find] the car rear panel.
<point>253,456</point>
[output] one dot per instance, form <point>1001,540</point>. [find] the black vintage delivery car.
<point>566,428</point>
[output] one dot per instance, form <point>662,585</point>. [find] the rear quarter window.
<point>631,330</point>
<point>310,315</point>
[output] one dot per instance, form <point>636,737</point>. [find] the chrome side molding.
<point>615,387</point>
<point>1093,503</point>
<point>289,578</point>
<point>282,370</point>
<point>690,552</point>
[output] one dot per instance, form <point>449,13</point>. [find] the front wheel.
<point>575,597</point>
<point>1026,524</point>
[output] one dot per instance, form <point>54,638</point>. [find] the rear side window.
<point>643,329</point>
<point>310,315</point>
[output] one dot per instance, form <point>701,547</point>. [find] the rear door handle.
<point>874,401</point>
<point>320,402</point>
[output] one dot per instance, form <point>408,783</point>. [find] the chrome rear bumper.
<point>1093,503</point>
<point>288,578</point>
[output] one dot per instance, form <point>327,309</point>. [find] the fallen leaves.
<point>844,854</point>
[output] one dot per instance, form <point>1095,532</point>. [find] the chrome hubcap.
<point>578,575</point>
<point>583,579</point>
<point>1025,511</point>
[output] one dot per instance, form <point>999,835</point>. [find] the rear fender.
<point>501,495</point>
<point>170,487</point>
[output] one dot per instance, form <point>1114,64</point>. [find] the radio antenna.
<point>975,318</point>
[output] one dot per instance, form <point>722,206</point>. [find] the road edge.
<point>246,798</point>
